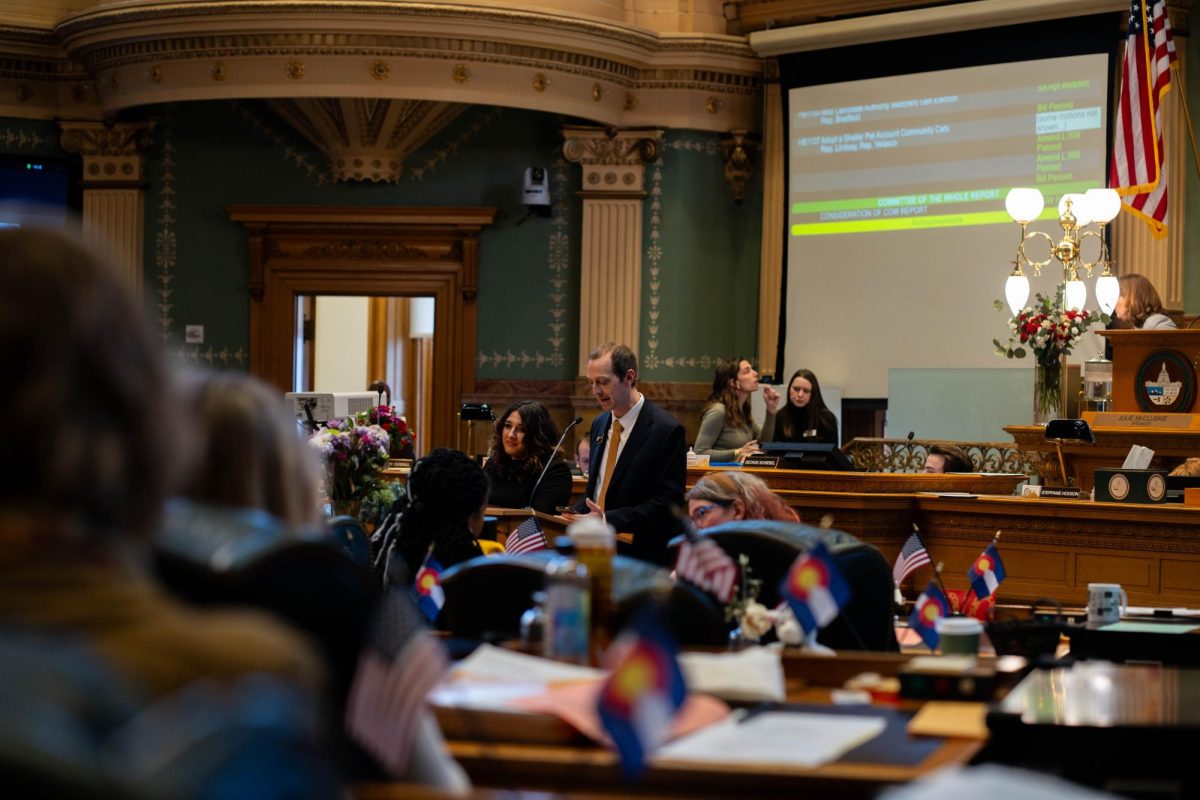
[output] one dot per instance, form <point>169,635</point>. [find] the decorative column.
<point>113,192</point>
<point>614,189</point>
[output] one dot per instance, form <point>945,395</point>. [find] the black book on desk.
<point>804,455</point>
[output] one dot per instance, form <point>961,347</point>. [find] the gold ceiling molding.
<point>342,44</point>
<point>366,138</point>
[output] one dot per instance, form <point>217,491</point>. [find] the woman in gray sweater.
<point>727,432</point>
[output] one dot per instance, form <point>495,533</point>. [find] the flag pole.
<point>1187,115</point>
<point>937,574</point>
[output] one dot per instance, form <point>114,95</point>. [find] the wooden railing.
<point>905,455</point>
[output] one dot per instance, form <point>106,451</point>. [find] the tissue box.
<point>1131,485</point>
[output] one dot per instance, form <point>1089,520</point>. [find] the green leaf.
<point>998,305</point>
<point>1020,353</point>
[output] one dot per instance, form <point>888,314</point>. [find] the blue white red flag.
<point>639,700</point>
<point>931,606</point>
<point>706,565</point>
<point>527,538</point>
<point>427,588</point>
<point>987,572</point>
<point>912,556</point>
<point>400,663</point>
<point>815,589</point>
<point>1137,154</point>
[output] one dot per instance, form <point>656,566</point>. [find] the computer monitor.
<point>800,455</point>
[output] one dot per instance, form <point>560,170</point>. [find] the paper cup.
<point>959,635</point>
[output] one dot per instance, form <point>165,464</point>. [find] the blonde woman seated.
<point>721,497</point>
<point>727,432</point>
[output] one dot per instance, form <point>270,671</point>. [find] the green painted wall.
<point>700,277</point>
<point>1191,229</point>
<point>210,155</point>
<point>701,262</point>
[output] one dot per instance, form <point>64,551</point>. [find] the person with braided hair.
<point>441,508</point>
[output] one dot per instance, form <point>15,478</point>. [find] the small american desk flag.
<point>912,556</point>
<point>705,565</point>
<point>399,665</point>
<point>527,538</point>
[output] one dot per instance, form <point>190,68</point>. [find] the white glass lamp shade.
<point>1104,204</point>
<point>1076,294</point>
<point>1016,292</point>
<point>1108,289</point>
<point>1080,208</point>
<point>1024,205</point>
<point>420,323</point>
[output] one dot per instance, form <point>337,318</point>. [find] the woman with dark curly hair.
<point>440,513</point>
<point>805,418</point>
<point>522,446</point>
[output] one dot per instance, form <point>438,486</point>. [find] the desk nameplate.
<point>1129,419</point>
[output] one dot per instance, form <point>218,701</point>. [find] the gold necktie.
<point>614,443</point>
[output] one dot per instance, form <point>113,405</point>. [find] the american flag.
<point>398,667</point>
<point>706,565</point>
<point>1137,144</point>
<point>912,555</point>
<point>527,538</point>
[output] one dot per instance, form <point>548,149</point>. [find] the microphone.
<point>909,438</point>
<point>550,457</point>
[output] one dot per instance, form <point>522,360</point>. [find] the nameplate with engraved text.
<point>1120,419</point>
<point>770,462</point>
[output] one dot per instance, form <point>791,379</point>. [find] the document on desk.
<point>774,737</point>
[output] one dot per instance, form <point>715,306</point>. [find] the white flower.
<point>756,620</point>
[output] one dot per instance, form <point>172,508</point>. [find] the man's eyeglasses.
<point>700,512</point>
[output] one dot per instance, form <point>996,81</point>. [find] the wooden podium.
<point>1143,354</point>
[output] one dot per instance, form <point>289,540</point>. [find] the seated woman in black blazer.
<point>522,445</point>
<point>804,417</point>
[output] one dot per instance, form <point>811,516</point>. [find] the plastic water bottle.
<point>568,607</point>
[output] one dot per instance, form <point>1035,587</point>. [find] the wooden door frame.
<point>364,251</point>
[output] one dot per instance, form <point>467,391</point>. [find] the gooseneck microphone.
<point>553,453</point>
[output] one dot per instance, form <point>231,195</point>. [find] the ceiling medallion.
<point>540,82</point>
<point>156,74</point>
<point>218,72</point>
<point>460,73</point>
<point>597,92</point>
<point>295,70</point>
<point>712,105</point>
<point>380,70</point>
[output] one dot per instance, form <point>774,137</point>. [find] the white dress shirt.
<point>627,422</point>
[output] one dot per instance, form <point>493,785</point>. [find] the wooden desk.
<point>1170,447</point>
<point>570,767</point>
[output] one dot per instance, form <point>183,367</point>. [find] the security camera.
<point>536,197</point>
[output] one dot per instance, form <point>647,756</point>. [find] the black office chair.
<point>486,596</point>
<point>350,535</point>
<point>865,623</point>
<point>228,556</point>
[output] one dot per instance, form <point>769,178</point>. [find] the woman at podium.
<point>1139,305</point>
<point>727,431</point>
<point>523,448</point>
<point>805,418</point>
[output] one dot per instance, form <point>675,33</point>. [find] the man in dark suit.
<point>634,484</point>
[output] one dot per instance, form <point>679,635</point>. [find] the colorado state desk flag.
<point>527,538</point>
<point>638,701</point>
<point>987,572</point>
<point>427,588</point>
<point>931,606</point>
<point>815,589</point>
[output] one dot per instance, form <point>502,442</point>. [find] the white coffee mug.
<point>1106,602</point>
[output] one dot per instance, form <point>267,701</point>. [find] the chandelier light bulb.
<point>1024,205</point>
<point>1076,294</point>
<point>1080,208</point>
<point>1016,292</point>
<point>1108,289</point>
<point>1104,204</point>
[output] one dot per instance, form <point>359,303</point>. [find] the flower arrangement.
<point>353,455</point>
<point>401,437</point>
<point>1049,330</point>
